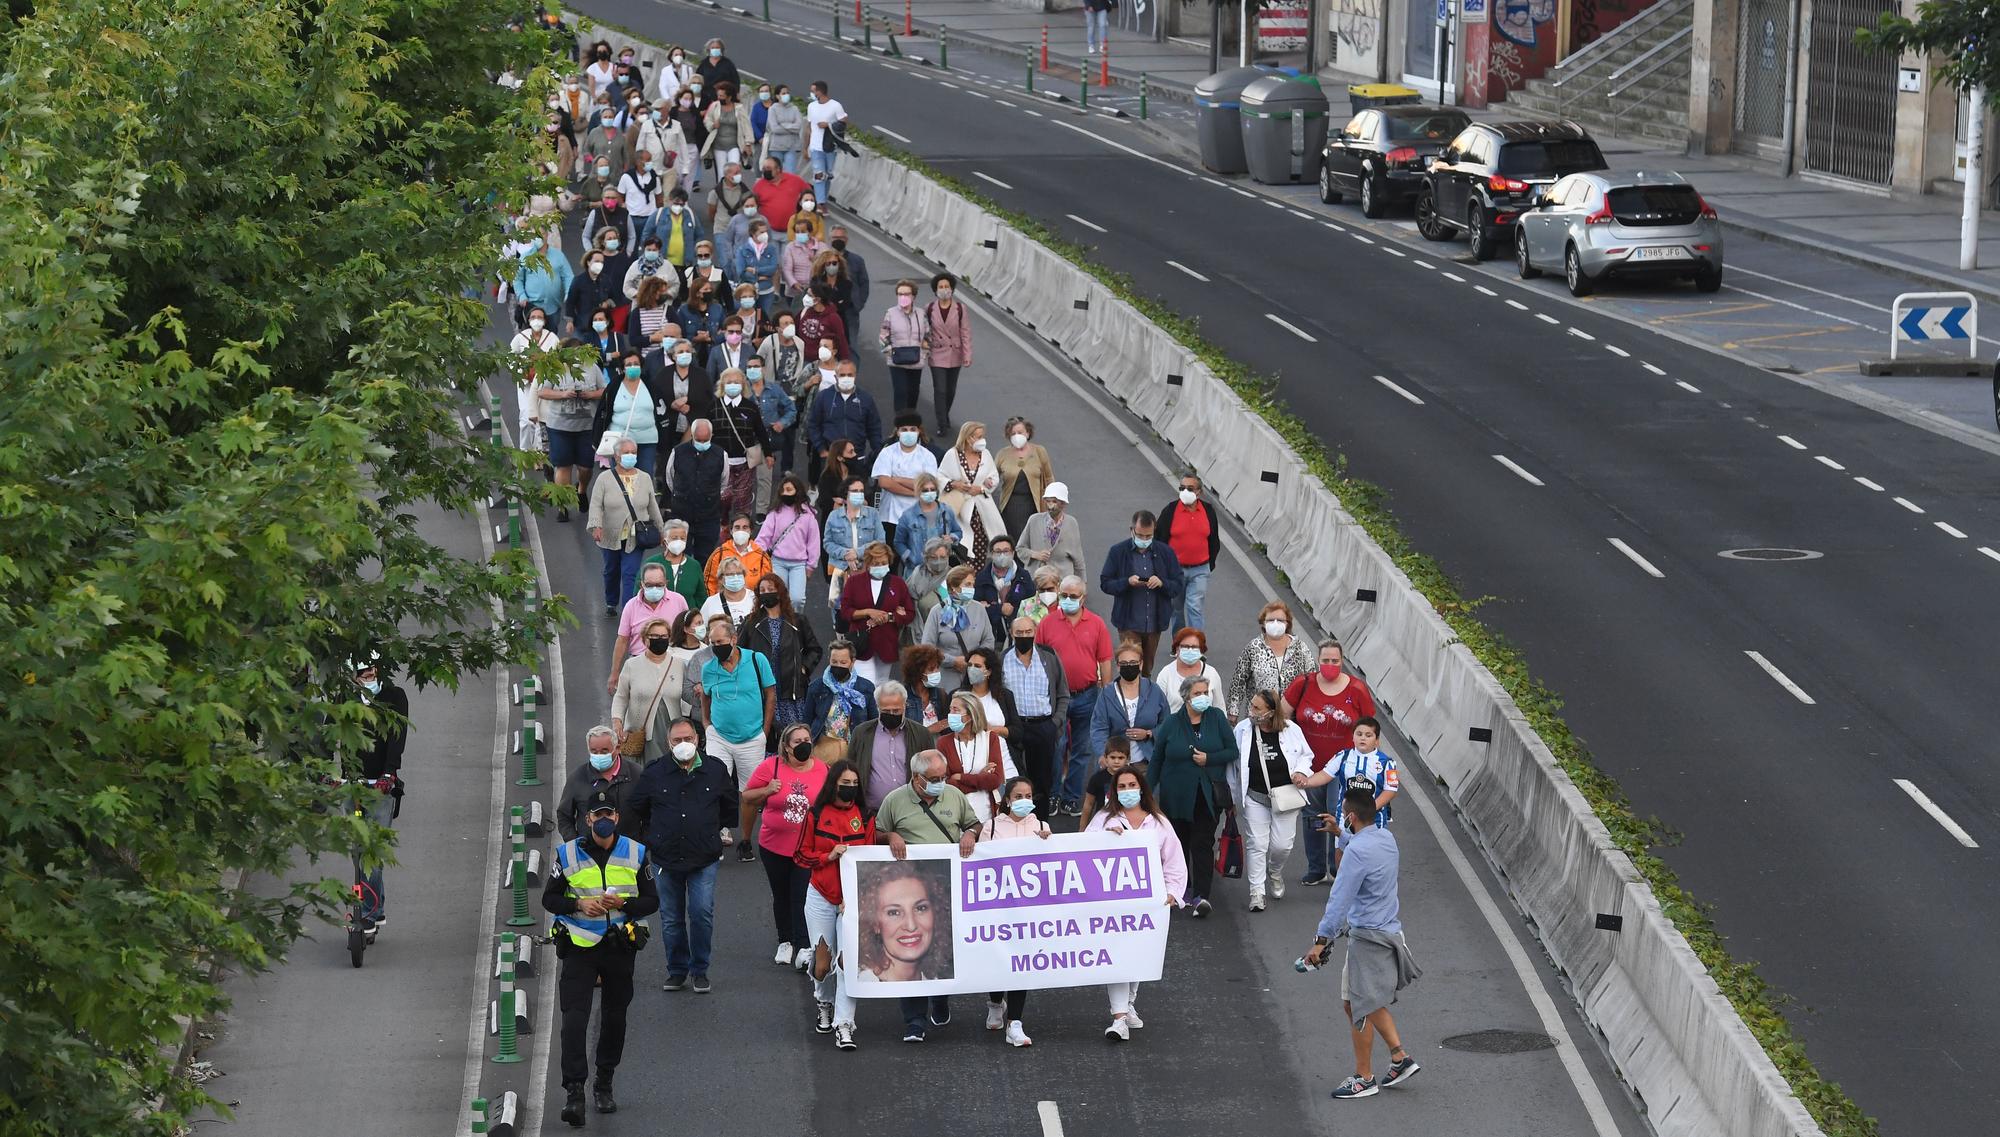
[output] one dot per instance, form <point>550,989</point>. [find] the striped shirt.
<point>1030,684</point>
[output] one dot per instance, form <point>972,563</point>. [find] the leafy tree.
<point>1965,32</point>
<point>238,315</point>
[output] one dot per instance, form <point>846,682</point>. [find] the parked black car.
<point>1492,172</point>
<point>1379,155</point>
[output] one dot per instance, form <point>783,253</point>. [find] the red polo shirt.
<point>777,200</point>
<point>1081,645</point>
<point>1189,536</point>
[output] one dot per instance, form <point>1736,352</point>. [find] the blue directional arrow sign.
<point>1932,317</point>
<point>1911,325</point>
<point>1952,323</point>
<point>1923,324</point>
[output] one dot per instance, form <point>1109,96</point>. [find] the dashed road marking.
<point>1938,815</point>
<point>880,129</point>
<point>1617,351</point>
<point>1483,290</point>
<point>1290,327</point>
<point>1828,462</point>
<point>1791,442</point>
<point>1516,467</point>
<point>1784,680</point>
<point>1642,562</point>
<point>1189,271</point>
<point>1869,484</point>
<point>1396,387</point>
<point>1454,276</point>
<point>1086,224</point>
<point>1950,528</point>
<point>990,178</point>
<point>1516,304</point>
<point>1912,506</point>
<point>1581,334</point>
<point>1546,318</point>
<point>1653,369</point>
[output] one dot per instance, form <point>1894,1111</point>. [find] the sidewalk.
<point>1911,237</point>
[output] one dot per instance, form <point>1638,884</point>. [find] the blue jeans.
<point>822,164</point>
<point>794,573</point>
<point>1096,28</point>
<point>1082,708</point>
<point>1193,593</point>
<point>649,452</point>
<point>1318,846</point>
<point>374,900</point>
<point>687,918</point>
<point>788,160</point>
<point>621,572</point>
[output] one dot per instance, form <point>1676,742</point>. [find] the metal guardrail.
<point>1563,70</point>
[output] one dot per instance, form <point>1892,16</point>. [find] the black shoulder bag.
<point>645,534</point>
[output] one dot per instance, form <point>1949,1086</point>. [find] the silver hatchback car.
<point>1621,223</point>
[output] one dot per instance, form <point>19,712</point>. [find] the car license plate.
<point>1660,253</point>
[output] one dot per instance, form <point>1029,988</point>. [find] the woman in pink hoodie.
<point>1015,818</point>
<point>1133,811</point>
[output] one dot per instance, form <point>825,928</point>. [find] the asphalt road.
<point>1779,767</point>
<point>1233,1033</point>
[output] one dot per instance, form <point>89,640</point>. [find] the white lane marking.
<point>1051,1119</point>
<point>1244,192</point>
<point>1360,238</point>
<point>1454,276</point>
<point>880,129</point>
<point>1617,351</point>
<point>1516,467</point>
<point>1516,304</point>
<point>1189,271</point>
<point>1290,327</point>
<point>1791,442</point>
<point>977,94</point>
<point>1912,506</point>
<point>1642,562</point>
<point>1828,462</point>
<point>1302,213</point>
<point>1178,169</point>
<point>953,86</point>
<point>1086,224</point>
<point>1546,318</point>
<point>1279,205</point>
<point>1948,527</point>
<point>1652,369</point>
<point>991,178</point>
<point>1423,264</point>
<point>1687,386</point>
<point>1784,680</point>
<point>1394,386</point>
<point>1580,333</point>
<point>1483,290</point>
<point>1333,227</point>
<point>1790,304</point>
<point>1032,111</point>
<point>1925,803</point>
<point>1870,485</point>
<point>1526,972</point>
<point>1216,182</point>
<point>1393,251</point>
<point>1989,551</point>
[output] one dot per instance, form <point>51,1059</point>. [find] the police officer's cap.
<point>599,802</point>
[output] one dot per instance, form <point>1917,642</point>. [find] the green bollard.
<point>494,434</point>
<point>513,523</point>
<point>1031,70</point>
<point>944,48</point>
<point>478,1115</point>
<point>1083,87</point>
<point>509,1043</point>
<point>836,23</point>
<point>517,869</point>
<point>529,774</point>
<point>868,35</point>
<point>528,604</point>
<point>767,11</point>
<point>1142,95</point>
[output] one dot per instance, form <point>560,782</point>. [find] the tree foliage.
<point>238,316</point>
<point>1966,33</point>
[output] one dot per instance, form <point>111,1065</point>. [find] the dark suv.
<point>1492,172</point>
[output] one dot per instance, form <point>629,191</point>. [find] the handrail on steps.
<point>1668,50</point>
<point>1651,17</point>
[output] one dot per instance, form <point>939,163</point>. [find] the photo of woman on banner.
<point>905,912</point>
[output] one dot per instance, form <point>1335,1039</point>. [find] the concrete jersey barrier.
<point>1673,1035</point>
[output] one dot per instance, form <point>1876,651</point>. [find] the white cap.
<point>1056,490</point>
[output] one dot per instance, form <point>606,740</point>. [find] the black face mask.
<point>840,674</point>
<point>769,601</point>
<point>840,246</point>
<point>770,175</point>
<point>658,645</point>
<point>1128,671</point>
<point>1024,644</point>
<point>723,652</point>
<point>892,720</point>
<point>802,751</point>
<point>847,793</point>
<point>789,499</point>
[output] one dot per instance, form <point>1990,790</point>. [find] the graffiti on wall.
<point>1519,20</point>
<point>1357,25</point>
<point>1504,66</point>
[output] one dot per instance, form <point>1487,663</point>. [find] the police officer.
<point>599,892</point>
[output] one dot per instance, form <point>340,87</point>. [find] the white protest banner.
<point>1073,910</point>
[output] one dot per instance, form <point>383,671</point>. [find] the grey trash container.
<point>1284,130</point>
<point>1218,125</point>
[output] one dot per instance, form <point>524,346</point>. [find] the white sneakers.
<point>784,956</point>
<point>1133,1020</point>
<point>996,1018</point>
<point>1016,1036</point>
<point>1277,886</point>
<point>1120,1030</point>
<point>1256,902</point>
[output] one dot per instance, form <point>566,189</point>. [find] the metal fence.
<point>1850,94</point>
<point>1762,65</point>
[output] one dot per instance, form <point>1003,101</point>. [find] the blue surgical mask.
<point>753,374</point>
<point>373,686</point>
<point>908,438</point>
<point>967,593</point>
<point>611,244</point>
<point>633,371</point>
<point>652,256</point>
<point>732,390</point>
<point>705,262</point>
<point>684,358</point>
<point>746,302</point>
<point>1070,605</point>
<point>927,497</point>
<point>1142,542</point>
<point>935,789</point>
<point>955,722</point>
<point>878,571</point>
<point>1199,704</point>
<point>1021,806</point>
<point>604,827</point>
<point>857,499</point>
<point>1128,799</point>
<point>1189,655</point>
<point>733,582</point>
<point>654,592</point>
<point>601,762</point>
<point>629,461</point>
<point>800,238</point>
<point>701,447</point>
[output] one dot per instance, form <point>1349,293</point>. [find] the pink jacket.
<point>950,338</point>
<point>1005,827</point>
<point>1155,829</point>
<point>787,541</point>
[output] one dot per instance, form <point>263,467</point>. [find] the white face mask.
<point>1187,497</point>
<point>1275,627</point>
<point>537,323</point>
<point>683,752</point>
<point>788,331</point>
<point>825,354</point>
<point>677,546</point>
<point>1048,599</point>
<point>1019,439</point>
<point>979,445</point>
<point>845,383</point>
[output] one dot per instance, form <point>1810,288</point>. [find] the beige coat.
<point>608,512</point>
